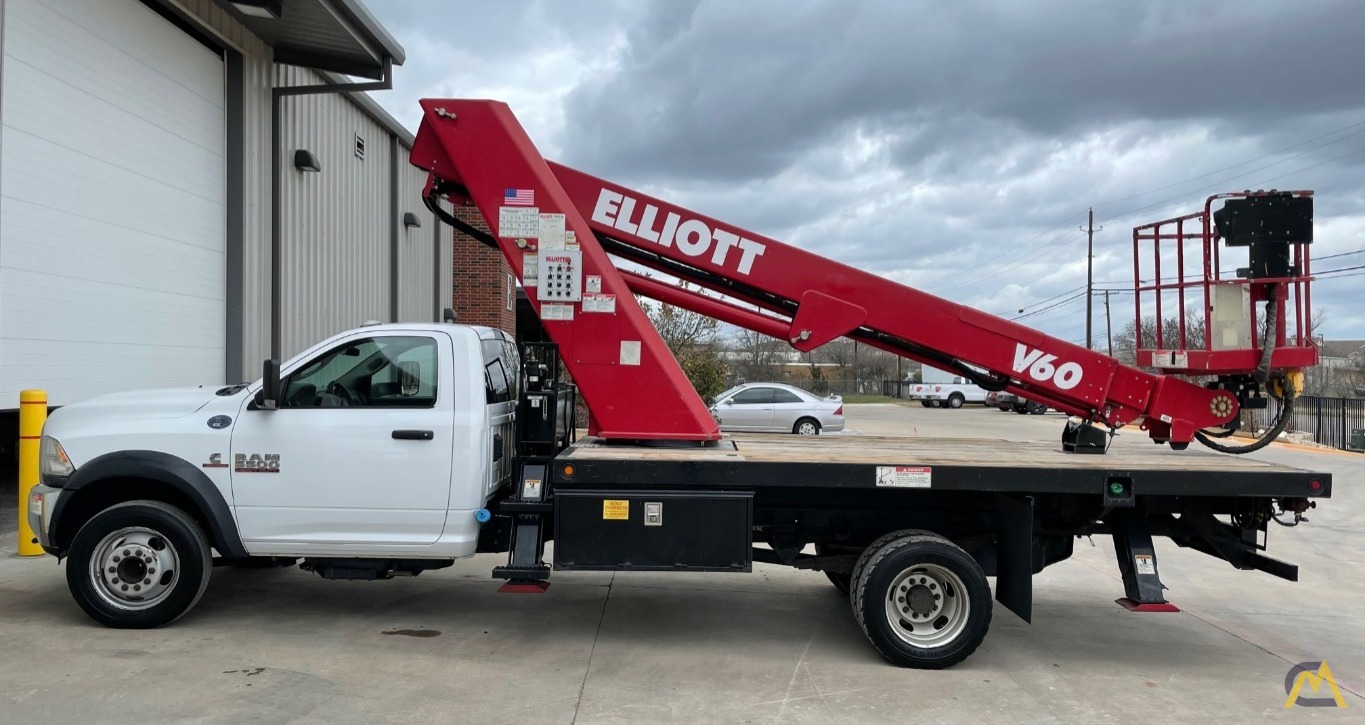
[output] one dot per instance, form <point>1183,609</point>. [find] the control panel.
<point>560,275</point>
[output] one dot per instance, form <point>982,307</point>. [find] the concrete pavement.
<point>779,645</point>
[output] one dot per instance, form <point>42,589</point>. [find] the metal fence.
<point>1335,422</point>
<point>840,387</point>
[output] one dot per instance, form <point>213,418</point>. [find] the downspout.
<point>395,222</point>
<point>277,95</point>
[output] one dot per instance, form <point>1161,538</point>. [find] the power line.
<point>1053,306</point>
<point>1181,200</point>
<point>1244,163</point>
<point>1334,256</point>
<point>1009,264</point>
<point>1043,302</point>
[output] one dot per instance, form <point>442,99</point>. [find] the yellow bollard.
<point>32,415</point>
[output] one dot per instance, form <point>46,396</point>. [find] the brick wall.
<point>480,279</point>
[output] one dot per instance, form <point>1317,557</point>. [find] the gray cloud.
<point>951,146</point>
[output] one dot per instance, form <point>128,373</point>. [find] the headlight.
<point>53,464</point>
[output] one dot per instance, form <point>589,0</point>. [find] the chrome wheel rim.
<point>927,606</point>
<point>134,568</point>
<point>806,428</point>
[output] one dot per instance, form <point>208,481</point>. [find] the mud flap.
<point>1014,554</point>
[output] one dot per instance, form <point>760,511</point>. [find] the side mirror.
<point>409,377</point>
<point>728,401</point>
<point>270,385</point>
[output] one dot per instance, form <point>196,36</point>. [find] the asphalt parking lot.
<point>283,646</point>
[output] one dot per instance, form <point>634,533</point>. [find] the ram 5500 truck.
<point>394,449</point>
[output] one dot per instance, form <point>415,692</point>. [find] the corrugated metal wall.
<point>336,222</point>
<point>416,294</point>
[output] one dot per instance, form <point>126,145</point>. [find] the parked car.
<point>1009,401</point>
<point>777,408</point>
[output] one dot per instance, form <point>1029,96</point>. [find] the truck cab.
<point>946,389</point>
<point>378,450</point>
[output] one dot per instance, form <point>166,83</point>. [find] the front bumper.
<point>42,501</point>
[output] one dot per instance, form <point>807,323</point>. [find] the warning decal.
<point>615,510</point>
<point>904,476</point>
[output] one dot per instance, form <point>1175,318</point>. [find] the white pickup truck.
<point>944,389</point>
<point>374,456</point>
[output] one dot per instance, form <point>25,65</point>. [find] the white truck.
<point>945,389</point>
<point>373,457</point>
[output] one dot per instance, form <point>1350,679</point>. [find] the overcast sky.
<point>952,146</point>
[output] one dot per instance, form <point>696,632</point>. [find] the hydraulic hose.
<point>1263,376</point>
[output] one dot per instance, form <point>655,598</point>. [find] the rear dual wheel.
<point>921,600</point>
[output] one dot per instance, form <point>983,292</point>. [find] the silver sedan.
<point>777,408</point>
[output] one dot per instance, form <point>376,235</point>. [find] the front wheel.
<point>806,427</point>
<point>955,401</point>
<point>138,565</point>
<point>922,601</point>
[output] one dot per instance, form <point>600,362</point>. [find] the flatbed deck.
<point>945,464</point>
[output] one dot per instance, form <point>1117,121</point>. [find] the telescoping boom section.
<point>560,229</point>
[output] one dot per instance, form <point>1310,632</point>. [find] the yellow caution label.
<point>614,510</point>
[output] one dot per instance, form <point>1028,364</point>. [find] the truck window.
<point>501,376</point>
<point>377,372</point>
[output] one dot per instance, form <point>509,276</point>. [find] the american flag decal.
<point>519,197</point>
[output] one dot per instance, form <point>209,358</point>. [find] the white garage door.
<point>112,202</point>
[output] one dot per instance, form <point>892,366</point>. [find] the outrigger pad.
<point>1082,437</point>
<point>1133,606</point>
<point>524,587</point>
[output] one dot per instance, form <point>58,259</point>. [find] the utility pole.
<point>1108,325</point>
<point>1089,230</point>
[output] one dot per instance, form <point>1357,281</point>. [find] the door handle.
<point>413,435</point>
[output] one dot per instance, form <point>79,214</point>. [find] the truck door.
<point>359,452</point>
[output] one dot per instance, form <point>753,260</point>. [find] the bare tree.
<point>757,356</point>
<point>695,342</point>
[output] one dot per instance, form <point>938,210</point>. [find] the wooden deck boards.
<point>883,450</point>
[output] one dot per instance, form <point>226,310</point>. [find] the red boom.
<point>477,153</point>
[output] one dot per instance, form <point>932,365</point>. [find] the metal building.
<point>142,241</point>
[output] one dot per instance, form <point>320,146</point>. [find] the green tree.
<point>694,341</point>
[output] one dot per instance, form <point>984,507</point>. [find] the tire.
<point>955,401</point>
<point>925,403</point>
<point>928,578</point>
<point>935,404</point>
<point>807,427</point>
<point>881,541</point>
<point>1036,409</point>
<point>1021,408</point>
<point>148,539</point>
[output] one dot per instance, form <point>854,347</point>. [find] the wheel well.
<point>810,418</point>
<point>96,497</point>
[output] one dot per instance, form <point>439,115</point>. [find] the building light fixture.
<point>304,160</point>
<point>269,9</point>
